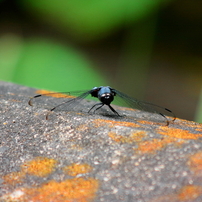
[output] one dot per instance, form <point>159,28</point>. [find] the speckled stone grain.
<point>76,156</point>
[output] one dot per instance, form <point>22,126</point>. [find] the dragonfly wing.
<point>145,106</point>
<point>59,101</point>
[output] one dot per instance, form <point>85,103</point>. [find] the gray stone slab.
<point>76,156</point>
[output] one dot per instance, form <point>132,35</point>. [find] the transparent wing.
<point>145,106</point>
<point>59,101</point>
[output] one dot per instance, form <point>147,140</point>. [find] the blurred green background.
<point>151,50</point>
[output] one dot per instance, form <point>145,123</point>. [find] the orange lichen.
<point>76,147</point>
<point>124,108</point>
<point>178,133</point>
<point>54,94</point>
<point>145,122</point>
<point>40,166</point>
<point>77,189</point>
<point>13,100</point>
<point>101,122</point>
<point>13,178</point>
<point>189,193</point>
<point>152,146</point>
<point>156,144</point>
<point>75,169</point>
<point>199,129</point>
<point>188,123</point>
<point>195,163</point>
<point>82,127</point>
<point>134,137</point>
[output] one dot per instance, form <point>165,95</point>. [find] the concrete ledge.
<point>80,157</point>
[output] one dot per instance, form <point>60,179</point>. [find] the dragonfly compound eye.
<point>106,98</point>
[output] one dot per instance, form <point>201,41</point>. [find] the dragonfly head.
<point>106,98</point>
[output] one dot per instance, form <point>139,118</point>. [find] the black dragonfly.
<point>106,95</point>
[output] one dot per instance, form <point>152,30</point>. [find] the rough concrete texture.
<point>77,157</point>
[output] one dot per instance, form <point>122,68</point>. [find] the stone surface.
<point>76,156</point>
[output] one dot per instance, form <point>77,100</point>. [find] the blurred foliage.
<point>91,19</point>
<point>44,64</point>
<point>142,48</point>
<point>198,117</point>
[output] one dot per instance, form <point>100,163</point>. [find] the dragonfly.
<point>105,95</point>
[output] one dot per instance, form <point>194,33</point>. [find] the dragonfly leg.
<point>47,115</point>
<point>96,108</point>
<point>167,121</point>
<point>113,110</point>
